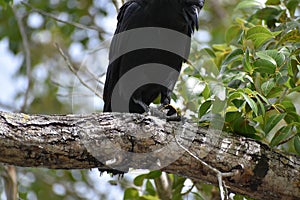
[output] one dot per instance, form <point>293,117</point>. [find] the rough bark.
<point>82,141</point>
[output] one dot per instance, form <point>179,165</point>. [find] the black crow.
<point>179,16</point>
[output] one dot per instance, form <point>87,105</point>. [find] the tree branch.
<point>82,141</point>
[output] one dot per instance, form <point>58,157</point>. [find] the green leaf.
<point>276,92</point>
<point>273,2</point>
<point>153,174</point>
<point>178,184</point>
<point>198,196</point>
<point>258,95</point>
<point>266,103</point>
<point>259,39</point>
<point>292,5</point>
<point>259,35</point>
<point>259,119</point>
<point>131,194</point>
<point>297,144</point>
<point>218,106</point>
<point>204,108</point>
<point>157,100</point>
<point>274,56</point>
<point>148,197</point>
<point>261,105</point>
<point>206,92</point>
<point>113,182</point>
<point>232,33</point>
<point>258,29</point>
<point>276,33</point>
<point>251,103</point>
<point>264,56</point>
<point>218,89</point>
<point>150,189</point>
<point>138,181</point>
<point>249,5</point>
<point>272,121</point>
<point>270,14</point>
<point>295,89</point>
<point>220,47</point>
<point>238,197</point>
<point>5,3</point>
<point>239,103</point>
<point>246,62</point>
<point>233,96</point>
<point>268,86</point>
<point>288,106</point>
<point>232,116</point>
<point>282,134</point>
<point>292,36</point>
<point>241,21</point>
<point>264,66</point>
<point>2,5</point>
<point>234,55</point>
<point>282,77</point>
<point>292,117</point>
<point>208,51</point>
<point>241,126</point>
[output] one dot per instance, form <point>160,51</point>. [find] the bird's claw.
<point>172,113</point>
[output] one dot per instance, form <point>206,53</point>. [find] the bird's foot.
<point>170,112</point>
<point>141,106</point>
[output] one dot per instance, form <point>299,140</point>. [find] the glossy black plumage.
<point>178,15</point>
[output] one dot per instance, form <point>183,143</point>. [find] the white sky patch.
<point>59,189</point>
<point>64,17</point>
<point>35,20</point>
<point>202,36</point>
<point>102,185</point>
<point>10,64</point>
<point>195,85</point>
<point>76,51</point>
<point>43,37</point>
<point>108,23</point>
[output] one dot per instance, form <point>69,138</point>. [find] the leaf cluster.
<point>250,83</point>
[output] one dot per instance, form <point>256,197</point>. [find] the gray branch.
<point>120,141</point>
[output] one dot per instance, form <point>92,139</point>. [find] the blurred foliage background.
<point>244,75</point>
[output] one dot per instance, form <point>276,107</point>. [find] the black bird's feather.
<point>177,15</point>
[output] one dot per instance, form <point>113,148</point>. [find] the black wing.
<point>125,20</point>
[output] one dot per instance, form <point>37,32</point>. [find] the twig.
<point>188,191</point>
<point>10,179</point>
<point>72,69</point>
<point>93,77</point>
<point>27,56</point>
<point>116,4</point>
<point>78,25</point>
<point>87,71</point>
<point>220,175</point>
